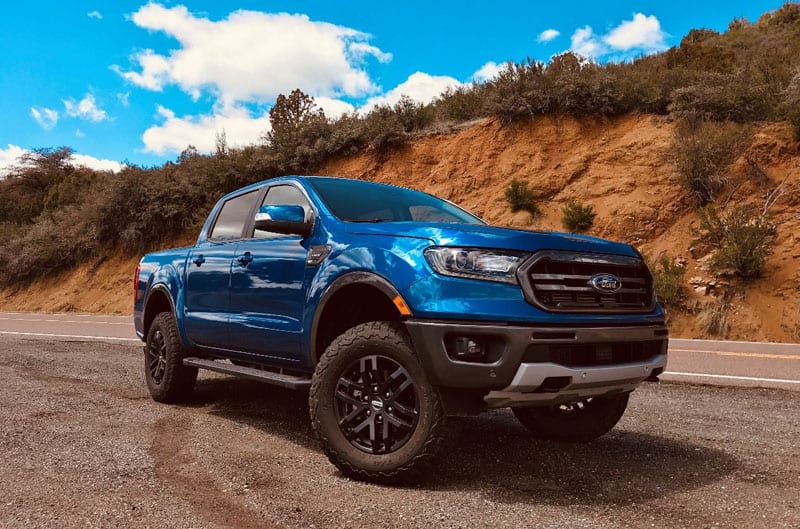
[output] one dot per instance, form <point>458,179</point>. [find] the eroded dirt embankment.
<point>622,167</point>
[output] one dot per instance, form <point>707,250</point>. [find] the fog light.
<point>469,347</point>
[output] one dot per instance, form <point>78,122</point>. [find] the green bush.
<point>521,198</point>
<point>791,104</point>
<point>384,130</point>
<point>577,217</point>
<point>702,153</point>
<point>460,104</point>
<point>668,280</point>
<point>413,115</point>
<point>742,239</point>
<point>518,92</point>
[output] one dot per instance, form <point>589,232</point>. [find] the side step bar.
<point>277,379</point>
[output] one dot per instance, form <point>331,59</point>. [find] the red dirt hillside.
<point>623,167</point>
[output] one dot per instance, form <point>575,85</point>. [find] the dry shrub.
<point>713,318</point>
<point>703,151</point>
<point>668,280</point>
<point>742,239</point>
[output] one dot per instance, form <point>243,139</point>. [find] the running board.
<point>277,379</point>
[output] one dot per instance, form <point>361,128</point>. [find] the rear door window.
<point>233,216</point>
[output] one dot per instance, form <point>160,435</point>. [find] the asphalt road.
<point>752,364</point>
<point>84,446</point>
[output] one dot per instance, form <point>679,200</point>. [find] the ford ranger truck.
<point>393,309</point>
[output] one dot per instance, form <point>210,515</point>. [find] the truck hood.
<point>482,236</point>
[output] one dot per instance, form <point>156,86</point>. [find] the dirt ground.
<point>83,446</point>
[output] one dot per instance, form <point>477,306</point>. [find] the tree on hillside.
<point>297,123</point>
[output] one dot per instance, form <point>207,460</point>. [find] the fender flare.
<point>351,278</point>
<point>162,288</point>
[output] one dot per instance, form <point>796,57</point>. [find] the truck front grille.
<point>588,355</point>
<point>559,281</point>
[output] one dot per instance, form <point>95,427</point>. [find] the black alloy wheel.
<point>375,412</point>
<point>377,406</point>
<point>168,380</point>
<point>157,356</point>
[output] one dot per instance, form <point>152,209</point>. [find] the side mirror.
<point>284,219</point>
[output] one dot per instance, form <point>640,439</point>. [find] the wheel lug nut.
<point>387,394</point>
<point>379,418</point>
<point>389,409</point>
<point>369,412</point>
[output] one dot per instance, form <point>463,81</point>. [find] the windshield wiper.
<point>369,220</point>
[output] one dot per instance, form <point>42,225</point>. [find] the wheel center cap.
<point>376,403</point>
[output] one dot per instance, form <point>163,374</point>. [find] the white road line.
<point>77,336</point>
<point>733,377</point>
<point>68,321</point>
<point>697,340</point>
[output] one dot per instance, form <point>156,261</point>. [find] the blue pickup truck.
<point>394,309</point>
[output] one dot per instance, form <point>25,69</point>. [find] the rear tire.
<point>167,378</point>
<point>577,422</point>
<point>376,415</point>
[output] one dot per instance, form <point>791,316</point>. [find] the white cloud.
<point>95,14</point>
<point>333,108</point>
<point>487,71</point>
<point>45,117</point>
<point>98,164</point>
<point>548,35</point>
<point>642,32</point>
<point>86,109</point>
<point>586,44</point>
<point>362,49</point>
<point>79,133</point>
<point>124,98</point>
<point>10,158</point>
<point>419,86</point>
<point>177,133</point>
<point>253,56</point>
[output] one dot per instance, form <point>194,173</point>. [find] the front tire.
<point>168,380</point>
<point>375,413</point>
<point>576,422</point>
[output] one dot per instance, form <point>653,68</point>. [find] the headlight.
<point>472,263</point>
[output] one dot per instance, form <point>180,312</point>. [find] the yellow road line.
<point>738,353</point>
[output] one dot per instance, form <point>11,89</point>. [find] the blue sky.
<point>136,81</point>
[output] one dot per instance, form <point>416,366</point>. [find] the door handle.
<point>245,259</point>
<point>199,260</point>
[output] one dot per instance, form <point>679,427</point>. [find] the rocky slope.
<point>622,167</point>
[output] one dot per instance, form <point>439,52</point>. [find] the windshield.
<point>358,201</point>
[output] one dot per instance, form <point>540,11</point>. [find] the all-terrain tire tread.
<point>391,332</point>
<point>179,380</point>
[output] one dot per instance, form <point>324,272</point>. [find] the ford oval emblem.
<point>606,283</point>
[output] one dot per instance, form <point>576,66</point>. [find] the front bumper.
<point>530,365</point>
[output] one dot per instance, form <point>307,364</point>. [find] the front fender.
<point>388,271</point>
